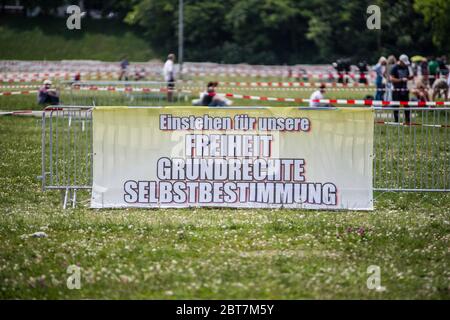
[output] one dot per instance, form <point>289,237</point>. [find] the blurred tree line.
<point>283,31</point>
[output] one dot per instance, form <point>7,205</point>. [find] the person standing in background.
<point>443,69</point>
<point>380,70</point>
<point>391,62</point>
<point>400,74</point>
<point>424,74</point>
<point>169,76</point>
<point>433,70</point>
<point>124,69</point>
<point>363,70</point>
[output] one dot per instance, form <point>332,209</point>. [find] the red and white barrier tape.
<point>19,86</point>
<point>258,98</point>
<point>278,99</point>
<point>414,124</point>
<point>330,86</point>
<point>297,89</point>
<point>13,93</point>
<point>342,101</point>
<point>300,71</point>
<point>128,89</point>
<point>289,84</point>
<point>19,80</point>
<point>32,77</point>
<point>267,74</point>
<point>21,112</point>
<point>309,89</point>
<point>56,74</point>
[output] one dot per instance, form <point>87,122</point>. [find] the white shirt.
<point>316,95</point>
<point>168,71</point>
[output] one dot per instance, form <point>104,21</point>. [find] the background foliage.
<point>279,31</point>
<point>292,31</point>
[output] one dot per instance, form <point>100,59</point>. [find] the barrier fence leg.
<point>66,194</point>
<point>74,198</point>
<point>43,151</point>
<point>62,196</point>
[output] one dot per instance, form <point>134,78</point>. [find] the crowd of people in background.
<point>395,79</point>
<point>392,79</point>
<point>428,74</point>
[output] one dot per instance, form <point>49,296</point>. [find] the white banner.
<point>281,157</point>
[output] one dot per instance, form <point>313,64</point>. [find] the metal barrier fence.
<point>409,157</point>
<point>116,93</point>
<point>414,153</point>
<point>67,151</point>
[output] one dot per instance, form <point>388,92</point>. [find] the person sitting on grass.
<point>420,93</point>
<point>440,89</point>
<point>139,75</point>
<point>210,98</point>
<point>319,95</point>
<point>47,95</point>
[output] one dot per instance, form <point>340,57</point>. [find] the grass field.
<point>209,253</point>
<point>49,39</point>
<point>28,102</point>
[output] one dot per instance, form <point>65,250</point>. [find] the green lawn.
<point>76,97</point>
<point>49,39</point>
<point>210,253</point>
